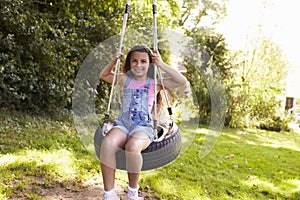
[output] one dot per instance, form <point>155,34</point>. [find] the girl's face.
<point>139,64</point>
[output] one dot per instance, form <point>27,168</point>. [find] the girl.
<point>133,129</point>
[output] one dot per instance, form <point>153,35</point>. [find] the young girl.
<point>133,129</point>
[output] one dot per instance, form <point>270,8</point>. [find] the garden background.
<point>43,44</point>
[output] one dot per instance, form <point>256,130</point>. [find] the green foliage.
<point>194,11</point>
<point>207,68</point>
<point>275,123</point>
<point>206,62</point>
<point>42,46</point>
<point>256,84</point>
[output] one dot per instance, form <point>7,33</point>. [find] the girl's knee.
<point>133,148</point>
<point>109,145</point>
<point>137,142</point>
<point>113,141</point>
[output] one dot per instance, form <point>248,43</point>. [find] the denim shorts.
<point>146,129</point>
<point>129,127</point>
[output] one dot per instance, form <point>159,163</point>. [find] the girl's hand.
<point>175,78</point>
<point>156,58</point>
<point>118,54</point>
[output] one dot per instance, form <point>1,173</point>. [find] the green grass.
<point>251,164</point>
<point>39,152</point>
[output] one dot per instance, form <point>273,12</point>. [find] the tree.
<point>42,46</point>
<point>257,82</point>
<point>211,53</point>
<point>194,12</point>
<point>207,69</point>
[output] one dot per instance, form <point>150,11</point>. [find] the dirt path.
<point>91,189</point>
<point>88,192</point>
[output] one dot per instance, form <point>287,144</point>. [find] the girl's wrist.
<point>114,60</point>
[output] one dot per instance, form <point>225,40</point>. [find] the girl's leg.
<point>136,143</point>
<point>112,142</point>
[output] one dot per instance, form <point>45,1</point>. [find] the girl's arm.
<point>107,73</point>
<point>176,79</point>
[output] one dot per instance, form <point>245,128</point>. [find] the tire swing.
<point>166,147</point>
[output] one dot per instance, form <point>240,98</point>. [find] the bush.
<point>275,123</point>
<point>42,44</point>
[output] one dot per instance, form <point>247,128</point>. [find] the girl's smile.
<point>139,64</point>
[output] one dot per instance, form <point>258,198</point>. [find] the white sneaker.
<point>133,195</point>
<point>112,196</point>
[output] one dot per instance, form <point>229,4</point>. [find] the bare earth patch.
<point>90,192</point>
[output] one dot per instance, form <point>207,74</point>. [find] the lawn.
<point>250,164</point>
<point>39,153</point>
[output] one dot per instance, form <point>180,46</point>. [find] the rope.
<point>155,48</point>
<point>154,8</point>
<point>166,97</point>
<point>117,68</point>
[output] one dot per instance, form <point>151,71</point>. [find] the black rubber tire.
<point>157,154</point>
